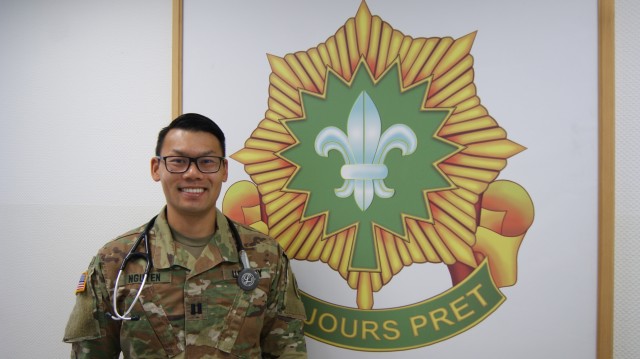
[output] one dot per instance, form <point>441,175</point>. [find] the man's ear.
<point>225,168</point>
<point>155,169</point>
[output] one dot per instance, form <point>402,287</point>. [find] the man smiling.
<point>191,196</point>
<point>214,289</point>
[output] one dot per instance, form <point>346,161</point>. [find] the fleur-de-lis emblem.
<point>364,151</point>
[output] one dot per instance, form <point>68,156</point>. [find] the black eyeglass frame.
<point>191,160</point>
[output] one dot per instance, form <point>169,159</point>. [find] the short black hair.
<point>192,122</point>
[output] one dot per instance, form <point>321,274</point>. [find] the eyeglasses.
<point>180,164</point>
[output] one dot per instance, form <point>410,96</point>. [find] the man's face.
<point>191,193</point>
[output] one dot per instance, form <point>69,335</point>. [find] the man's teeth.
<point>193,190</point>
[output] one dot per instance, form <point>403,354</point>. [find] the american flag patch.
<point>82,283</point>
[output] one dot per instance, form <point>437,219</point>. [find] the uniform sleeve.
<point>90,333</point>
<point>283,335</point>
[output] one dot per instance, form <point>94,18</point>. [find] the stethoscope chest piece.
<point>248,279</point>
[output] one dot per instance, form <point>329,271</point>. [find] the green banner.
<point>412,326</point>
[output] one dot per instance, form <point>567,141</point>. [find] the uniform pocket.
<point>152,332</point>
<point>244,321</point>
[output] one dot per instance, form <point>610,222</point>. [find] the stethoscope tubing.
<point>247,278</point>
<point>146,255</point>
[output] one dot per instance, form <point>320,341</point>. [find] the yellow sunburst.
<point>451,236</point>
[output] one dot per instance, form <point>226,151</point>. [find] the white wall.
<point>85,85</point>
<point>627,247</point>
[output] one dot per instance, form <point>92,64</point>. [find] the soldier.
<point>191,304</point>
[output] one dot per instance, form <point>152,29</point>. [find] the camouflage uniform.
<point>191,309</point>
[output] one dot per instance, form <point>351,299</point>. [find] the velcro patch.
<point>82,283</point>
<point>153,277</point>
<point>233,274</point>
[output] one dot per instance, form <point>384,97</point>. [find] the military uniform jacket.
<point>189,308</point>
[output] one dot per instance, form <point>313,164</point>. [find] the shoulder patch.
<point>82,283</point>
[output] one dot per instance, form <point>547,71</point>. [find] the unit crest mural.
<point>374,154</point>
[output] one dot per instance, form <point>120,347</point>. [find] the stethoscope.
<point>247,277</point>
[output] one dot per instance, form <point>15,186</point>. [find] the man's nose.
<point>192,170</point>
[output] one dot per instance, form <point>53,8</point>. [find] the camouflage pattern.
<point>191,309</point>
